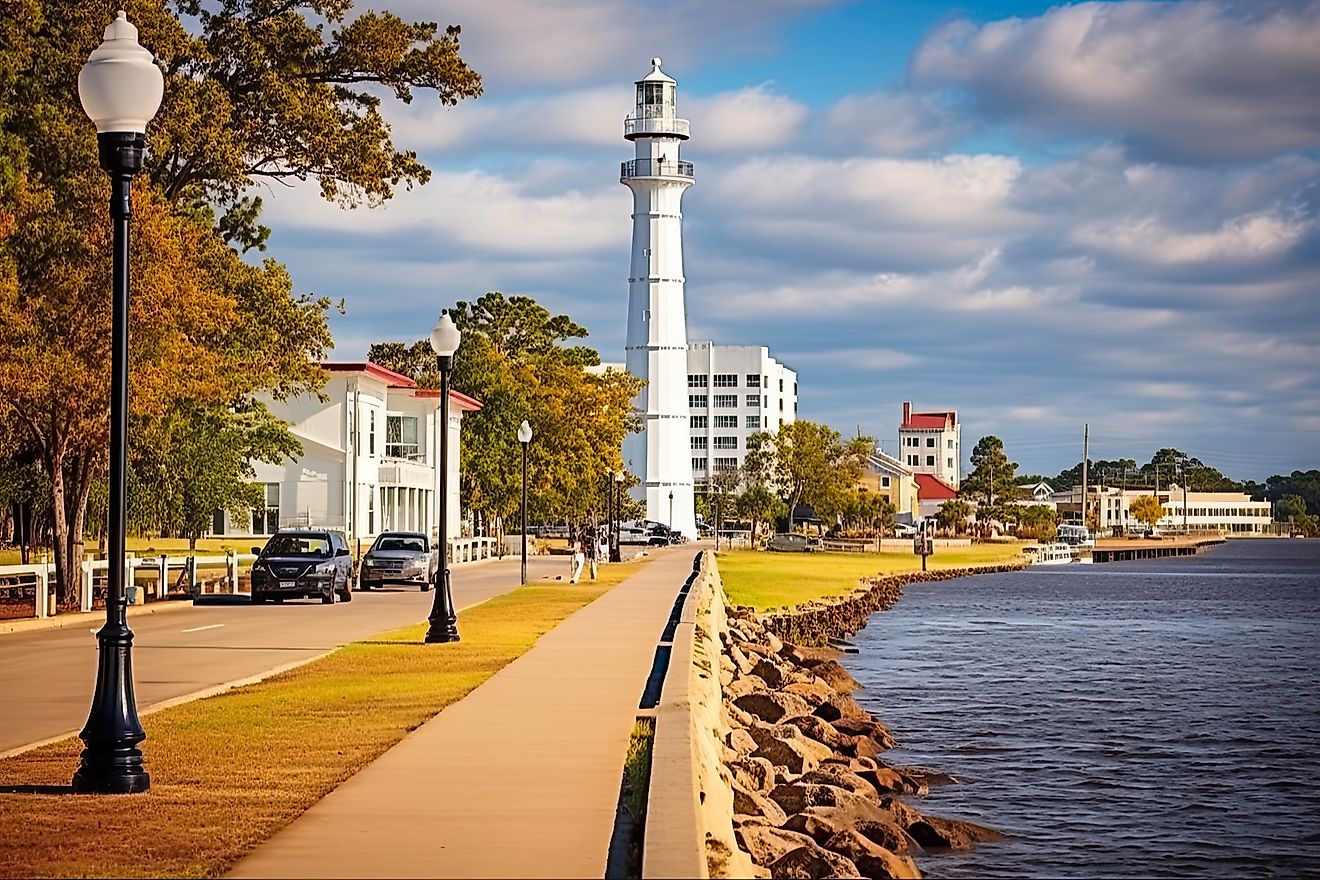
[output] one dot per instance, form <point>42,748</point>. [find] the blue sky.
<point>1038,214</point>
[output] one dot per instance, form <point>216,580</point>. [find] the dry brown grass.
<point>230,771</point>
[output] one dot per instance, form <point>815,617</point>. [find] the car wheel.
<point>278,600</point>
<point>328,598</point>
<point>258,598</point>
<point>426,586</point>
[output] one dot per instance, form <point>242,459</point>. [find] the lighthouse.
<point>660,454</point>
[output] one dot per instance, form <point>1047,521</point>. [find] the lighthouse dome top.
<point>656,74</point>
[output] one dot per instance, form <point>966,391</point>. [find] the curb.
<point>76,618</point>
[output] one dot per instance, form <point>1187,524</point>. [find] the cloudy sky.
<point>1040,215</point>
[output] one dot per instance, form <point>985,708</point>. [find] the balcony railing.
<point>654,168</point>
<point>640,126</point>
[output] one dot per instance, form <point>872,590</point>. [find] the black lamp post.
<point>671,510</point>
<point>616,493</point>
<point>445,338</point>
<point>120,88</point>
<point>525,438</point>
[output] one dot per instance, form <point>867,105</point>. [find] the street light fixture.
<point>671,510</point>
<point>524,437</point>
<point>445,338</point>
<point>120,88</point>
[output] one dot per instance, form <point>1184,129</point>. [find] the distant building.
<point>734,391</point>
<point>1228,512</point>
<point>1041,493</point>
<point>888,476</point>
<point>368,462</point>
<point>931,443</point>
<point>932,492</point>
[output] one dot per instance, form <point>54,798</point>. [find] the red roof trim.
<point>376,371</point>
<point>468,404</point>
<point>932,488</point>
<point>931,420</point>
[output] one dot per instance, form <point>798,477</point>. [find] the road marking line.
<point>200,628</point>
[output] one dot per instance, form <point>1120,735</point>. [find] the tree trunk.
<point>76,492</point>
<point>66,580</point>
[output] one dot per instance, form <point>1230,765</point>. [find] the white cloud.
<point>1252,238</point>
<point>1198,81</point>
<point>890,124</point>
<point>753,118</point>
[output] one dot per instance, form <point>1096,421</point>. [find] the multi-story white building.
<point>1229,512</point>
<point>733,392</point>
<point>368,462</point>
<point>931,443</point>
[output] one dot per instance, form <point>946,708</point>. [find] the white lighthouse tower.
<point>657,322</point>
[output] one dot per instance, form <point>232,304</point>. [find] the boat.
<point>1050,554</point>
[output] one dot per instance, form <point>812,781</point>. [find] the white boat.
<point>1050,554</point>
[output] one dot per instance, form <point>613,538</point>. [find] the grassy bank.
<point>772,580</point>
<point>230,771</point>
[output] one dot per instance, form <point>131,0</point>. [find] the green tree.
<point>1146,509</point>
<point>953,515</point>
<point>1290,508</point>
<point>1303,484</point>
<point>1037,521</point>
<point>992,476</point>
<point>759,506</point>
<point>807,463</point>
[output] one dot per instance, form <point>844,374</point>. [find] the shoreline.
<point>812,794</point>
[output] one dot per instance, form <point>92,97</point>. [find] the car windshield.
<point>298,545</point>
<point>413,545</point>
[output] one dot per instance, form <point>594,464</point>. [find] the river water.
<point>1140,719</point>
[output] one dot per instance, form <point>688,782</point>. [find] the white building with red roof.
<point>931,443</point>
<point>368,462</point>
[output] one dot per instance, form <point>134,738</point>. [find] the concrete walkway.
<point>518,779</point>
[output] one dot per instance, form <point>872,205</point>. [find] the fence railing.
<point>654,168</point>
<point>471,550</point>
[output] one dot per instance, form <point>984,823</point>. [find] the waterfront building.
<point>1228,512</point>
<point>931,493</point>
<point>931,443</point>
<point>888,476</point>
<point>368,462</point>
<point>656,347</point>
<point>733,391</point>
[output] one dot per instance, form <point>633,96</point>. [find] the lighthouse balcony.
<point>654,168</point>
<point>657,125</point>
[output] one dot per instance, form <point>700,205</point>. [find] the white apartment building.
<point>931,443</point>
<point>368,462</point>
<point>734,391</point>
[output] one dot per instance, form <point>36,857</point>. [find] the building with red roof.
<point>931,443</point>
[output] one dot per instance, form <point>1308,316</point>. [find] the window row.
<point>699,442</point>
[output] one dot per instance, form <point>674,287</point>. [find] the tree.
<point>513,358</point>
<point>1290,508</point>
<point>758,505</point>
<point>992,473</point>
<point>1173,465</point>
<point>1302,484</point>
<point>807,463</point>
<point>1037,521</point>
<point>261,93</point>
<point>953,515</point>
<point>1146,509</point>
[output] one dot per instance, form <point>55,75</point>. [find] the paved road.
<point>48,676</point>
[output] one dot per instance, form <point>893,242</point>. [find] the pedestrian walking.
<point>578,542</point>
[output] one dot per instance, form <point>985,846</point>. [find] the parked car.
<point>303,564</point>
<point>903,530</point>
<point>652,535</point>
<point>786,542</point>
<point>399,558</point>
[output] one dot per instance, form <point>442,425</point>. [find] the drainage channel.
<point>624,861</point>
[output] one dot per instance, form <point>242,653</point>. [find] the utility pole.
<point>1086,452</point>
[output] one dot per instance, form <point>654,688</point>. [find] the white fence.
<point>471,550</point>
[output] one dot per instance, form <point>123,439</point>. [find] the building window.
<point>754,422</point>
<point>696,401</point>
<point>912,461</point>
<point>697,421</point>
<point>266,520</point>
<point>726,421</point>
<point>753,400</point>
<point>726,442</point>
<point>401,438</point>
<point>371,433</point>
<point>949,463</point>
<point>795,388</point>
<point>699,441</point>
<point>726,400</point>
<point>781,386</point>
<point>781,404</point>
<point>726,380</point>
<point>371,511</point>
<point>930,461</point>
<point>930,442</point>
<point>696,380</point>
<point>949,443</point>
<point>724,465</point>
<point>753,380</point>
<point>884,482</point>
<point>767,401</point>
<point>699,464</point>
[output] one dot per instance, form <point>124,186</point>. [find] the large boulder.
<point>874,861</point>
<point>841,777</point>
<point>864,725</point>
<point>772,707</point>
<point>858,747</point>
<point>755,774</point>
<point>744,685</point>
<point>819,823</point>
<point>813,691</point>
<point>891,836</point>
<point>794,797</point>
<point>812,862</point>
<point>740,660</point>
<point>762,732</point>
<point>791,754</point>
<point>839,706</point>
<point>740,741</point>
<point>834,675</point>
<point>766,843</point>
<point>932,832</point>
<point>890,779</point>
<point>772,642</point>
<point>818,729</point>
<point>753,803</point>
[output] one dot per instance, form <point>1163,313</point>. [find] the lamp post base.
<point>444,624</point>
<point>111,763</point>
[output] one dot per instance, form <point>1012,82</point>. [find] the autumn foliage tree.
<point>256,91</point>
<point>806,462</point>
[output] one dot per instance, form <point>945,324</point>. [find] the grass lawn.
<point>229,771</point>
<point>770,580</point>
